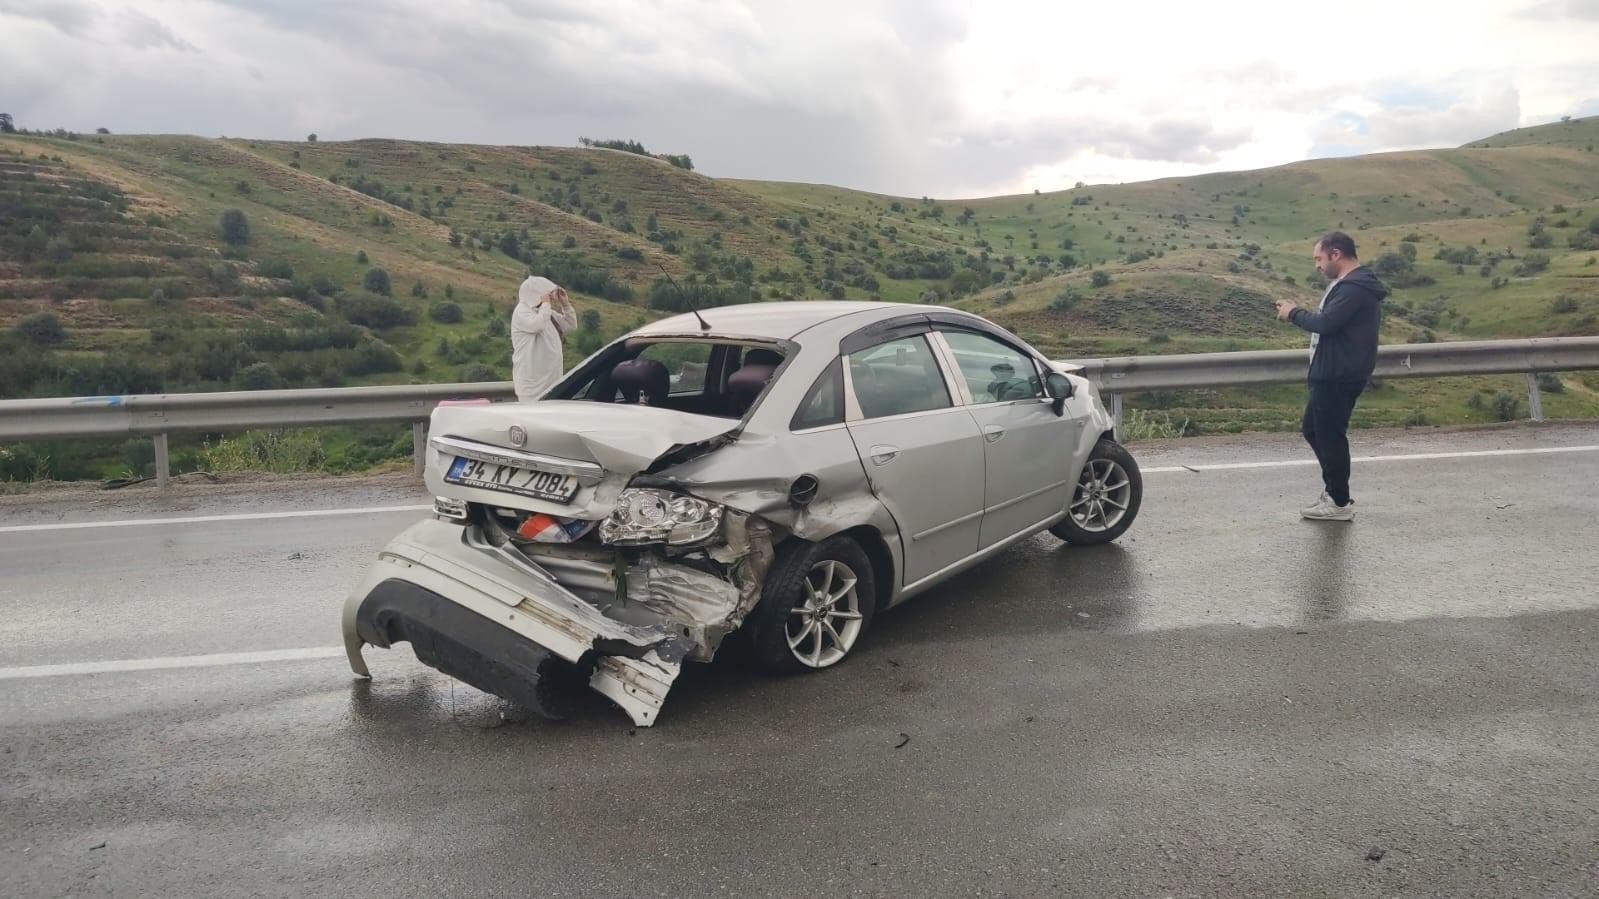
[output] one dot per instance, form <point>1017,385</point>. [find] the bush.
<point>1100,278</point>
<point>1563,305</point>
<point>1506,406</point>
<point>41,329</point>
<point>446,313</point>
<point>1532,264</point>
<point>260,376</point>
<point>477,371</point>
<point>275,269</point>
<point>588,320</point>
<point>376,280</point>
<point>1415,419</point>
<point>1423,335</point>
<point>375,312</point>
<point>1548,382</point>
<point>1065,300</point>
<point>58,250</point>
<point>235,227</point>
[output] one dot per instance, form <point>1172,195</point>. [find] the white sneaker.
<point>1326,510</point>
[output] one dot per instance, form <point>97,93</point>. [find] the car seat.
<point>744,385</point>
<point>642,380</point>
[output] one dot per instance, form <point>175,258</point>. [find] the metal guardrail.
<point>157,415</point>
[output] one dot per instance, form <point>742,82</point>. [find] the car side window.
<point>897,377</point>
<point>994,372</point>
<point>824,404</point>
<point>685,364</point>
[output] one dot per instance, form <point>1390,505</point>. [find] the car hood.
<point>621,439</point>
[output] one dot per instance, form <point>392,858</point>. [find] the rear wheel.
<point>816,605</point>
<point>1109,492</point>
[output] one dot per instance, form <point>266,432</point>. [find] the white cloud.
<point>937,97</point>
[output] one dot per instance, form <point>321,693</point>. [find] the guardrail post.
<point>419,447</point>
<point>1534,398</point>
<point>1116,413</point>
<point>163,464</point>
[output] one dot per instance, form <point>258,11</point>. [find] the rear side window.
<point>824,404</point>
<point>896,377</point>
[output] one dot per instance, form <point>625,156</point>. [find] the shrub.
<point>377,281</point>
<point>1100,278</point>
<point>235,227</point>
<point>1532,263</point>
<point>375,312</point>
<point>275,269</point>
<point>259,376</point>
<point>1563,305</point>
<point>446,313</point>
<point>41,329</point>
<point>1415,419</point>
<point>477,371</point>
<point>58,250</point>
<point>1506,406</point>
<point>588,320</point>
<point>1550,382</point>
<point>1065,300</point>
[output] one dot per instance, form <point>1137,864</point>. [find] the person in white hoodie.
<point>543,314</point>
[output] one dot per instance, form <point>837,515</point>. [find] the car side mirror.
<point>1059,387</point>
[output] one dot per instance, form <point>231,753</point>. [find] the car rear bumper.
<point>497,621</point>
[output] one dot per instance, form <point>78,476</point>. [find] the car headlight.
<point>644,515</point>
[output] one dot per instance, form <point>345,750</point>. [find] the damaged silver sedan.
<point>776,473</point>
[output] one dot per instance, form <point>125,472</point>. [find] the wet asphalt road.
<point>1228,702</point>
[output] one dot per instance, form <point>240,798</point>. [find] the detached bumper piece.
<point>467,647</point>
<point>497,621</point>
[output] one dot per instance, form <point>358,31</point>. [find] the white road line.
<point>205,661</point>
<point>1413,457</point>
<point>380,510</point>
<point>199,519</point>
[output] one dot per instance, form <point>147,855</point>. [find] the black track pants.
<point>1326,429</point>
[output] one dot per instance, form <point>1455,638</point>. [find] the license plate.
<point>558,488</point>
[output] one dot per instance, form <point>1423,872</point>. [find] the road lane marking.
<point>157,664</point>
<point>381,510</point>
<point>201,519</point>
<point>1413,457</point>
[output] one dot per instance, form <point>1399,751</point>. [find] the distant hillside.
<point>378,261</point>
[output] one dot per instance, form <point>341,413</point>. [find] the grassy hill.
<point>115,276</point>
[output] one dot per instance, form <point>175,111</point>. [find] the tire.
<point>1109,492</point>
<point>790,632</point>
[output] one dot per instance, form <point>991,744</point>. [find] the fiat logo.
<point>518,435</point>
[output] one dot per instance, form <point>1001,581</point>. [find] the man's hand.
<point>1286,308</point>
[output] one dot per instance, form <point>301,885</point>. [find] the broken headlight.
<point>643,515</point>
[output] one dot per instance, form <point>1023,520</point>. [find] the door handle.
<point>882,454</point>
<point>992,433</point>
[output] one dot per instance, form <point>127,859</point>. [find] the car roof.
<point>778,320</point>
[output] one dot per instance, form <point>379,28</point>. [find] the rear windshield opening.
<point>717,378</point>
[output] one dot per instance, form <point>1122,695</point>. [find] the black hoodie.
<point>1347,323</point>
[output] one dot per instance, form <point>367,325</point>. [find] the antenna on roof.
<point>704,325</point>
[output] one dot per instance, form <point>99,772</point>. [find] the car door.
<point>923,453</point>
<point>1027,448</point>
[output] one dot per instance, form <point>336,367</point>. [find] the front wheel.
<point>1107,497</point>
<point>817,602</point>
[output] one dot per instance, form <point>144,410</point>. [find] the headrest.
<point>762,356</point>
<point>646,378</point>
<point>747,383</point>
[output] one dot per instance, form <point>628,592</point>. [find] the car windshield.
<point>722,378</point>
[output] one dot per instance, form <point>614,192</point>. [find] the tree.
<point>102,131</point>
<point>235,227</point>
<point>311,138</point>
<point>377,281</point>
<point>6,125</point>
<point>446,313</point>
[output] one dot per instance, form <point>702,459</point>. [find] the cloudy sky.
<point>909,97</point>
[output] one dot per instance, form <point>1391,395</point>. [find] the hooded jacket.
<point>1344,342</point>
<point>536,329</point>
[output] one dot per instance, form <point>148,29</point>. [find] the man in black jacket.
<point>1343,354</point>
